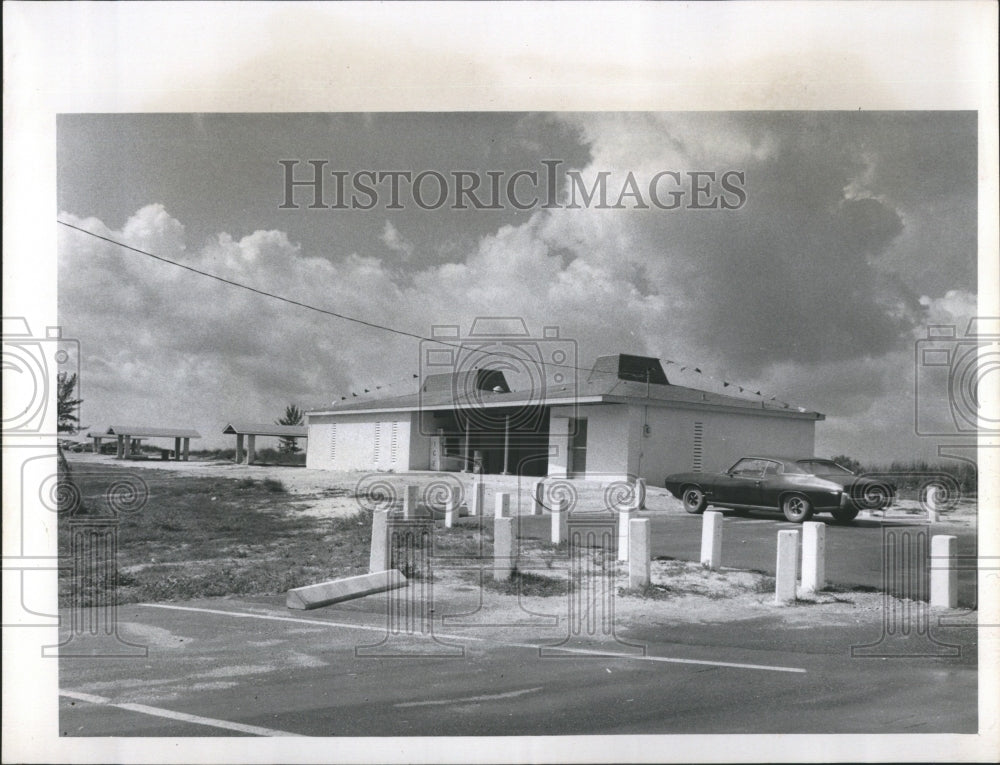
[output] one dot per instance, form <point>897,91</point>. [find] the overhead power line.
<point>345,317</point>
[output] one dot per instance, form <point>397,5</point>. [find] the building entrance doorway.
<point>577,467</point>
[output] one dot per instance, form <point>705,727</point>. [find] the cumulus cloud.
<point>814,291</point>
<point>392,239</point>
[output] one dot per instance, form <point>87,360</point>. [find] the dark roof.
<point>597,389</point>
<point>266,429</point>
<point>143,431</point>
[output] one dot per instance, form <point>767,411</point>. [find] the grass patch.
<point>274,485</point>
<point>203,536</point>
<point>649,592</point>
<point>529,585</point>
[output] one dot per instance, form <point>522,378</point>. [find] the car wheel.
<point>844,515</point>
<point>796,508</point>
<point>694,500</point>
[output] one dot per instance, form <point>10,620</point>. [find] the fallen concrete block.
<point>327,593</point>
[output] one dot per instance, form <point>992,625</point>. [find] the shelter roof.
<point>266,429</point>
<point>144,431</point>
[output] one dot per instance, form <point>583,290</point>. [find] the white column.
<point>378,559</point>
<point>478,497</point>
<point>624,518</point>
<point>502,506</point>
<point>711,539</point>
<point>410,494</point>
<point>944,571</point>
<point>239,448</point>
<point>813,556</point>
<point>251,446</point>
<point>537,497</point>
<point>639,553</point>
<point>121,447</point>
<point>786,568</point>
<point>560,517</point>
<point>451,509</point>
<point>640,494</point>
<point>503,548</point>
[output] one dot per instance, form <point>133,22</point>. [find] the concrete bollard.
<point>639,552</point>
<point>711,539</point>
<point>538,498</point>
<point>378,559</point>
<point>813,556</point>
<point>502,506</point>
<point>451,510</point>
<point>477,498</point>
<point>503,548</point>
<point>944,571</point>
<point>786,567</point>
<point>624,518</point>
<point>560,518</point>
<point>411,496</point>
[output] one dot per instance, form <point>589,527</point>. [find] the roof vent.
<point>471,379</point>
<point>623,366</point>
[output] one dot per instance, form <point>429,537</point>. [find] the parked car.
<point>798,487</point>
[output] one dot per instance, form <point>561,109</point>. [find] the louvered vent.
<point>698,451</point>
<point>333,443</point>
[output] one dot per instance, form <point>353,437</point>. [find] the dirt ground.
<point>680,591</point>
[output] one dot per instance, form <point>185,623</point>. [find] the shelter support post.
<point>239,448</point>
<point>251,446</point>
<point>506,444</point>
<point>465,451</point>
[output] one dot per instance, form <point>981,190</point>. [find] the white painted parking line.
<point>253,730</point>
<point>446,636</point>
<point>468,699</point>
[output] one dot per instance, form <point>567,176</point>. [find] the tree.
<point>848,462</point>
<point>67,406</point>
<point>293,416</point>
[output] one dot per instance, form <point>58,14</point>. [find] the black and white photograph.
<point>371,400</point>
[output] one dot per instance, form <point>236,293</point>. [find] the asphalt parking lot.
<point>251,667</point>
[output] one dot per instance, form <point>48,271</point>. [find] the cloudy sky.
<point>853,233</point>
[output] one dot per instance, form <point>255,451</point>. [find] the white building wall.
<point>359,442</point>
<point>420,437</point>
<point>669,445</point>
<point>607,440</point>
